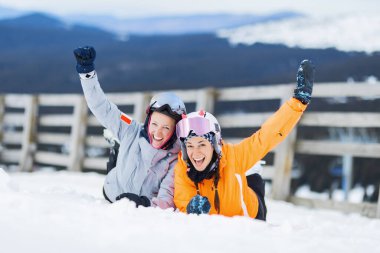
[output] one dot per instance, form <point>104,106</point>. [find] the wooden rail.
<point>68,136</point>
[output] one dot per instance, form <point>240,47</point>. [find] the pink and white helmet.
<point>200,123</point>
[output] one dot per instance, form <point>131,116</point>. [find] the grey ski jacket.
<point>140,168</point>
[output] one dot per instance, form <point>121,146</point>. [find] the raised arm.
<point>106,112</point>
<point>279,125</point>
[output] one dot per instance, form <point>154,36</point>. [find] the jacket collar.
<point>155,155</point>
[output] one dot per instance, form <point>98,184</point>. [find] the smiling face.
<point>200,152</point>
<point>161,128</point>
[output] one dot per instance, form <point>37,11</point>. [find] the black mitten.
<point>85,57</point>
<point>305,80</point>
<point>198,205</point>
<point>139,200</point>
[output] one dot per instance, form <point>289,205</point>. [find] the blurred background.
<point>171,44</point>
<point>160,45</point>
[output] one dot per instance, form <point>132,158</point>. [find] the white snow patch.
<point>355,195</point>
<point>6,183</point>
<point>65,212</point>
<point>360,32</point>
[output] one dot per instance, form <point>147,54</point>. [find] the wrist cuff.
<point>88,75</point>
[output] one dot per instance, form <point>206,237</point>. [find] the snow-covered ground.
<point>51,211</point>
<point>354,32</point>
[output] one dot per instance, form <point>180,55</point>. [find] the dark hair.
<point>216,198</point>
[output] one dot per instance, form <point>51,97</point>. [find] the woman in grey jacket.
<point>147,152</point>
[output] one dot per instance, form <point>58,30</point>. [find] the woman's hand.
<point>305,80</point>
<point>85,57</point>
<point>198,205</point>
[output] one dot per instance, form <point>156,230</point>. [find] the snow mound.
<point>6,183</point>
<point>360,32</point>
<point>66,212</point>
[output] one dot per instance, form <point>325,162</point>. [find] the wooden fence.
<point>58,130</point>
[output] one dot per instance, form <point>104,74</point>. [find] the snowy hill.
<point>160,62</point>
<point>185,24</point>
<point>9,12</point>
<point>360,32</point>
<point>65,212</point>
<point>34,21</point>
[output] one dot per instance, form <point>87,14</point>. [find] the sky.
<point>144,8</point>
<point>62,212</point>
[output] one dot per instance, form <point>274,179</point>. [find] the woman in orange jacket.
<point>210,174</point>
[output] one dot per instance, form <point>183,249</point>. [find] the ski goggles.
<point>175,108</point>
<point>197,125</point>
<point>176,113</point>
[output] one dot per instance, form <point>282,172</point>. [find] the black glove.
<point>85,57</point>
<point>139,200</point>
<point>305,80</point>
<point>198,205</point>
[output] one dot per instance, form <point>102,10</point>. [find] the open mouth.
<point>198,161</point>
<point>157,139</point>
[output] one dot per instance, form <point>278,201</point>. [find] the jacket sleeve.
<point>165,194</point>
<point>106,112</point>
<point>184,188</point>
<point>272,132</point>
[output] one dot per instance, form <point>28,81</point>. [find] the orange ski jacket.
<point>236,198</point>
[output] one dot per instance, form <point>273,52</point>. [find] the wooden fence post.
<point>205,100</point>
<point>139,110</point>
<point>347,175</point>
<point>283,162</point>
<point>378,205</point>
<point>29,134</point>
<point>2,111</point>
<point>78,134</point>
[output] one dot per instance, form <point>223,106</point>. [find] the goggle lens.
<point>198,125</point>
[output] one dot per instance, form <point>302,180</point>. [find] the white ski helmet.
<point>167,103</point>
<point>200,123</point>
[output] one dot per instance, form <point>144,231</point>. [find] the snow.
<point>50,211</point>
<point>355,32</point>
<point>355,195</point>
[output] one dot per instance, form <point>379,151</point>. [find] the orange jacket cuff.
<point>296,105</point>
